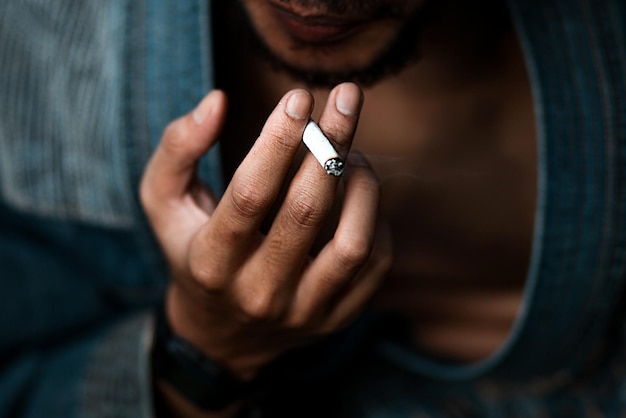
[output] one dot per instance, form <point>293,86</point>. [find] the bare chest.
<point>459,183</point>
<point>458,179</point>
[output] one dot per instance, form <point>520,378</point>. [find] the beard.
<point>397,55</point>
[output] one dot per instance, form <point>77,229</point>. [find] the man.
<point>482,208</point>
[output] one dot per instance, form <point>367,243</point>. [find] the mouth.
<point>311,28</point>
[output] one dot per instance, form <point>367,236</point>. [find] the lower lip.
<point>316,30</point>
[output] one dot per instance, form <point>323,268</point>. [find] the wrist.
<point>213,338</point>
<point>171,404</point>
<point>179,367</point>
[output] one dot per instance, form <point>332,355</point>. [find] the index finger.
<point>258,180</point>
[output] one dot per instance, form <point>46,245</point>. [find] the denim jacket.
<point>86,88</point>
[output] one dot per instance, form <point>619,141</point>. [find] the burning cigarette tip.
<point>334,167</point>
<point>322,150</point>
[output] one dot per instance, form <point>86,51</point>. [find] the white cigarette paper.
<point>322,149</point>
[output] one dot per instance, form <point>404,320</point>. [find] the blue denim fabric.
<point>87,88</point>
<point>575,58</point>
<point>78,263</point>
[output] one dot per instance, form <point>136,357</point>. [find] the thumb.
<point>172,167</point>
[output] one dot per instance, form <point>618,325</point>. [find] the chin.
<point>321,42</point>
<point>321,47</point>
<point>353,54</point>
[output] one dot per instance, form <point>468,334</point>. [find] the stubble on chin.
<point>399,53</point>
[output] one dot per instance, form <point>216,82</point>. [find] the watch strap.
<point>197,377</point>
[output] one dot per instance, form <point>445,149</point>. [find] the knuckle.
<point>205,275</point>
<point>174,135</point>
<point>248,200</point>
<point>259,307</point>
<point>306,210</point>
<point>151,203</point>
<point>352,251</point>
<point>146,196</point>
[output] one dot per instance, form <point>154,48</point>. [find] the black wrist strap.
<point>210,387</point>
<point>198,378</point>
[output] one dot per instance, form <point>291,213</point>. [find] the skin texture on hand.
<point>244,297</point>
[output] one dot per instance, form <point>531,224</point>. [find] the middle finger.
<point>311,194</point>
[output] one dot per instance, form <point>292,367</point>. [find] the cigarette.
<point>322,149</point>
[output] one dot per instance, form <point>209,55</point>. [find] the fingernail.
<point>348,99</point>
<point>204,109</point>
<point>299,105</point>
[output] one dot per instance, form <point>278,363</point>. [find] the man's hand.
<point>239,295</point>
